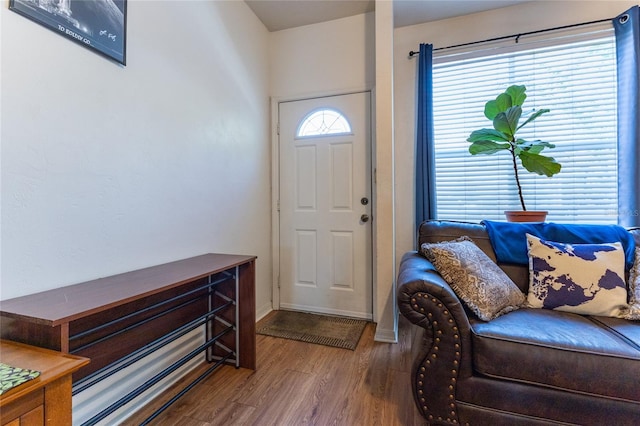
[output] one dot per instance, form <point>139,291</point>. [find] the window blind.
<point>575,77</point>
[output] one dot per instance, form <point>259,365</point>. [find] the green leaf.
<point>491,109</point>
<point>539,164</point>
<point>507,122</point>
<point>513,115</point>
<point>533,116</point>
<point>502,125</point>
<point>487,147</point>
<point>500,104</point>
<point>533,147</point>
<point>517,94</point>
<point>487,135</point>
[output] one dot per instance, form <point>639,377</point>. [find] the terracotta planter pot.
<point>526,216</point>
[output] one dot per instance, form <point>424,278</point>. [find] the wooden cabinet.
<point>118,320</point>
<point>45,399</point>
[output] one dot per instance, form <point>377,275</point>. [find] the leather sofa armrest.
<point>417,276</point>
<point>444,357</point>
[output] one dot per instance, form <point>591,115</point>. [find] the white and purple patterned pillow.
<point>585,279</point>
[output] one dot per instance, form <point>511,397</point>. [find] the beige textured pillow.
<point>633,313</point>
<point>474,277</point>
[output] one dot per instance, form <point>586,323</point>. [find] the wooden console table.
<point>45,399</point>
<point>118,320</point>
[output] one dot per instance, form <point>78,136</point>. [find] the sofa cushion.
<point>560,350</point>
<point>580,278</point>
<point>626,330</point>
<point>475,278</point>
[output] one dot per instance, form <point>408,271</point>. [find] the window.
<point>323,122</point>
<point>575,77</point>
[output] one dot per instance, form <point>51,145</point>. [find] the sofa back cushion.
<point>636,235</point>
<point>435,231</point>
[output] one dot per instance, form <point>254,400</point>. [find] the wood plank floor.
<point>299,383</point>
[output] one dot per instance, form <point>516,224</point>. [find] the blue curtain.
<point>627,30</point>
<point>425,162</point>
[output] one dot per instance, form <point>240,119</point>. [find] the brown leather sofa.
<point>530,366</point>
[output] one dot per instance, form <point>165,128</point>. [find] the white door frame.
<point>275,189</point>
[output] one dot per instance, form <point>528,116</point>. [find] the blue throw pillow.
<point>509,240</point>
<point>585,279</point>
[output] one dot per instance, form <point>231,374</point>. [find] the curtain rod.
<point>517,36</point>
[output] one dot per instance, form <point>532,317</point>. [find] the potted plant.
<point>505,112</point>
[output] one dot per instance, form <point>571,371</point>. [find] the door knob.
<point>364,218</point>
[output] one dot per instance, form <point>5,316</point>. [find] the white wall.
<point>317,59</point>
<point>530,16</point>
<point>107,169</point>
<point>384,215</point>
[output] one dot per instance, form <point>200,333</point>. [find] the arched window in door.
<point>322,122</point>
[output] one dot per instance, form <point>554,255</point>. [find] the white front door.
<point>325,205</point>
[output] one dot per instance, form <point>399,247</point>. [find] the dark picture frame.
<point>100,25</point>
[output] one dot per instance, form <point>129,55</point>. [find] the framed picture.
<point>100,25</point>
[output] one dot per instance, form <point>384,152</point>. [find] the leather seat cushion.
<point>597,356</point>
<point>629,331</point>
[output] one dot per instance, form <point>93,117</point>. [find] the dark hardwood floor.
<point>300,383</point>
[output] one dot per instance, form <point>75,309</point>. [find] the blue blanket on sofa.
<point>509,240</point>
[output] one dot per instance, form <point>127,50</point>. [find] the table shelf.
<point>117,321</point>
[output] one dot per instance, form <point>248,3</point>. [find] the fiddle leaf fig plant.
<point>506,112</point>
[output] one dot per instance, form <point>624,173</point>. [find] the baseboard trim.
<point>386,335</point>
<point>263,311</point>
<point>337,312</point>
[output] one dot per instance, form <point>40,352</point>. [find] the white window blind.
<point>576,79</point>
